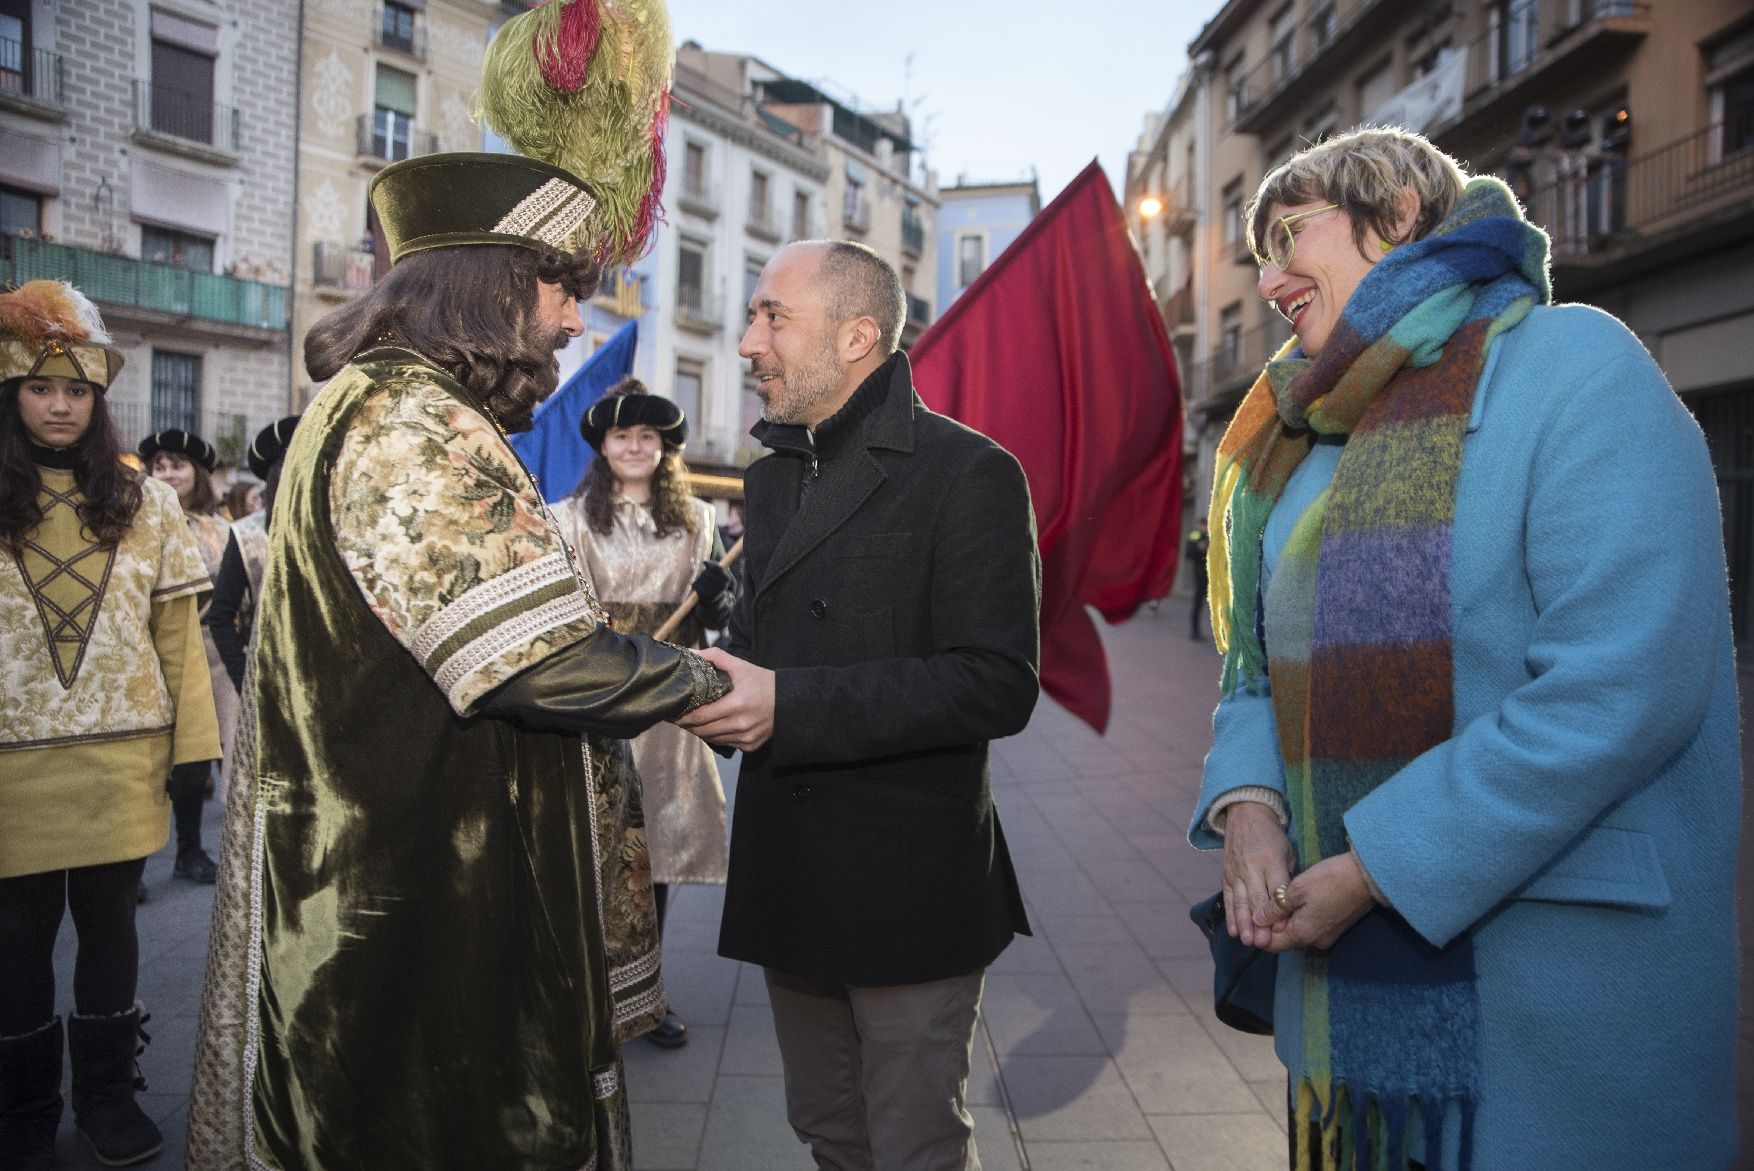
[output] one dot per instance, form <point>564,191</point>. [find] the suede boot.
<point>30,1098</point>
<point>105,1078</point>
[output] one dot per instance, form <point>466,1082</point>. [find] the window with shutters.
<point>393,114</point>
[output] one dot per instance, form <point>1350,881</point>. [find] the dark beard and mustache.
<point>529,380</point>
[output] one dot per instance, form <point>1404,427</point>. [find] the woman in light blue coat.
<point>1476,770</point>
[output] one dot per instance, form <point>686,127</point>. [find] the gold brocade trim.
<point>93,738</point>
<point>192,586</point>
<point>62,627</point>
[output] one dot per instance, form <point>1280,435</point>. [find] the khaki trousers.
<point>877,1077</point>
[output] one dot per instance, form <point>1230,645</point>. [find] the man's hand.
<point>742,719</point>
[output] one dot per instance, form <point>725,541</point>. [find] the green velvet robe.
<point>446,916</point>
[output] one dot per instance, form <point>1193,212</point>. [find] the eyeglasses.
<point>1282,241</point>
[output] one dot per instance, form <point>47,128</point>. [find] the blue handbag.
<point>1242,976</point>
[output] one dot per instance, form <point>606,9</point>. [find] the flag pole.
<point>688,603</point>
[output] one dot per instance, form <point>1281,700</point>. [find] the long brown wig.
<point>112,492</point>
<point>471,311</point>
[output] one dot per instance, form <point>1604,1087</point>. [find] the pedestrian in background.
<point>647,542</point>
<point>1199,542</point>
<point>104,692</point>
<point>242,498</point>
<point>186,462</point>
<point>1476,768</point>
<point>231,614</point>
<point>888,634</point>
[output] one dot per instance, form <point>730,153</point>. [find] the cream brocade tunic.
<point>641,579</point>
<point>91,719</point>
<point>212,534</point>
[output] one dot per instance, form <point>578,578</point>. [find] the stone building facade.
<point>146,154</point>
<point>1626,127</point>
<point>380,81</point>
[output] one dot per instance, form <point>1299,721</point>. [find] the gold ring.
<point>1279,897</point>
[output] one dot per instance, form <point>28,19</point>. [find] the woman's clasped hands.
<point>1266,906</point>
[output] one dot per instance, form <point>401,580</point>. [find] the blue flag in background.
<point>552,448</point>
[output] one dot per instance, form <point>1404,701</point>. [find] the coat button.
<point>819,608</point>
<point>801,792</point>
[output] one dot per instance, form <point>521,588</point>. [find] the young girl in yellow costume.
<point>105,688</point>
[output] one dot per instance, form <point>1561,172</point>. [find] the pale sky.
<point>997,87</point>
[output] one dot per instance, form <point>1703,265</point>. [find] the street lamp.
<point>1150,207</point>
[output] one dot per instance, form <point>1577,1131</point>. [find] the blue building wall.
<point>996,213</point>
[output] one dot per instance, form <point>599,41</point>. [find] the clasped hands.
<point>1321,904</point>
<point>742,719</point>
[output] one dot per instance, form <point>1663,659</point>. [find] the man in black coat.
<point>890,630</point>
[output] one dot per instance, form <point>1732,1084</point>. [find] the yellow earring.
<point>1386,246</point>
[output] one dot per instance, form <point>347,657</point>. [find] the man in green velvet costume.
<point>434,925</point>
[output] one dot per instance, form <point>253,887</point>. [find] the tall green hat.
<point>580,89</point>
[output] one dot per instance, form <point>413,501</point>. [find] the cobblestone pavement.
<point>1096,1050</point>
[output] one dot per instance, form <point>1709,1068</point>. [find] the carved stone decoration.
<point>331,95</point>
<point>326,214</point>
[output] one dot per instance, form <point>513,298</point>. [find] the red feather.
<point>565,57</point>
<point>651,209</point>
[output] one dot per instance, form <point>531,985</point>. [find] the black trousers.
<point>107,964</point>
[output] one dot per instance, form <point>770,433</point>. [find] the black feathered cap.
<point>270,445</point>
<point>635,410</point>
<point>180,442</point>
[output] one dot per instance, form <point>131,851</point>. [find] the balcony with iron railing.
<point>123,281</point>
<point>856,214</point>
<point>1522,52</point>
<point>621,292</point>
<point>187,123</point>
<point>1218,383</point>
<point>699,196</point>
<point>1607,215</point>
<point>340,270</point>
<point>763,224</point>
<point>400,29</point>
<point>1178,309</point>
<point>699,312</point>
<point>31,80</point>
<point>1269,93</point>
<point>390,139</point>
<point>913,232</point>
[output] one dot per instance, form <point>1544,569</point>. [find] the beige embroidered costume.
<point>93,720</point>
<point>642,578</point>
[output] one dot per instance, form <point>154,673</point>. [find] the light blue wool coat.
<point>1582,821</point>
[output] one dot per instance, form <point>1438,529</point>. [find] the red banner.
<point>1059,353</point>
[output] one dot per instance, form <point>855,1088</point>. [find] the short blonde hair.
<point>1364,171</point>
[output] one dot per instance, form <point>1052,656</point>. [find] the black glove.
<point>190,777</point>
<point>717,591</point>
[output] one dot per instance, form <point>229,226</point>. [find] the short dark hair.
<point>857,282</point>
<point>471,311</point>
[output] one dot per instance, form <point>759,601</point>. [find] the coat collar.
<point>880,413</point>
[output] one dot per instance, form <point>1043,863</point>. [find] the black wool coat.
<point>895,589</point>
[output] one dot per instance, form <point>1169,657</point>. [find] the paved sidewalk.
<point>1097,1049</point>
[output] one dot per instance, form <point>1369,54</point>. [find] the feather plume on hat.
<point>51,329</point>
<point>584,85</point>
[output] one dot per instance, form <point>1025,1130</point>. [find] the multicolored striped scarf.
<point>1360,650</point>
